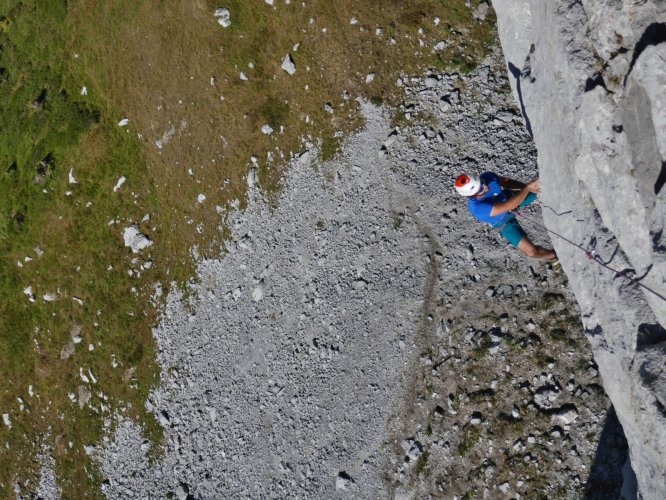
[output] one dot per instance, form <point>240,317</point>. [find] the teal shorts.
<point>511,230</point>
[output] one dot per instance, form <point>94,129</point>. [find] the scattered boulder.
<point>343,481</point>
<point>258,293</point>
<point>413,450</point>
<point>119,184</point>
<point>39,102</point>
<point>567,414</point>
<point>212,413</point>
<point>481,12</point>
<point>252,178</point>
<point>504,290</point>
<point>430,82</point>
<point>546,395</point>
<point>135,239</point>
<point>223,17</point>
<point>76,334</point>
<point>288,64</point>
<point>43,169</point>
<point>28,291</point>
<point>183,491</point>
<point>84,395</point>
<point>359,284</point>
<point>67,351</point>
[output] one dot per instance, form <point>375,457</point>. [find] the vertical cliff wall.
<point>590,77</point>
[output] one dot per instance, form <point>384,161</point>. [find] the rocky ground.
<point>364,337</point>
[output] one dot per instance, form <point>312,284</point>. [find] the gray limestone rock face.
<point>590,78</point>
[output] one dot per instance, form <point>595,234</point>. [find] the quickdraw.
<point>591,254</point>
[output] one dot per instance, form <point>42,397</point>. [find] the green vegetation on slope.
<point>193,124</point>
<point>56,241</point>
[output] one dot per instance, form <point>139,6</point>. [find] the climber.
<point>492,199</point>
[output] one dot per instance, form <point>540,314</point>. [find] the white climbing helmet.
<point>468,185</point>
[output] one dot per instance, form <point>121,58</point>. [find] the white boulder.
<point>288,64</point>
<point>136,240</point>
<point>223,17</point>
<point>119,184</point>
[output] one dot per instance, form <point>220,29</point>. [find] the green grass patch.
<point>421,463</point>
<point>329,147</point>
<point>481,396</point>
<point>482,350</point>
<point>455,401</point>
<point>398,219</point>
<point>275,112</point>
<point>56,242</point>
<point>470,437</point>
<point>376,100</point>
<point>508,428</point>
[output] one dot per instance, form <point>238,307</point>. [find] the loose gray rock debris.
<point>293,369</point>
<point>48,487</point>
<point>500,335</point>
<point>298,365</point>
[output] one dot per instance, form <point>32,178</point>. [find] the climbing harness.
<point>591,254</point>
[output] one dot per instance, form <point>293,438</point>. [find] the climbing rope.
<point>591,254</point>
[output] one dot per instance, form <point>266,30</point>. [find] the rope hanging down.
<point>591,254</point>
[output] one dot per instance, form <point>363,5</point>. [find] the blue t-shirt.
<point>481,207</point>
